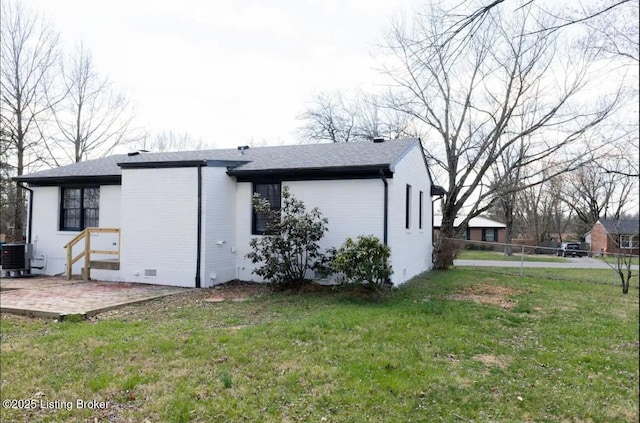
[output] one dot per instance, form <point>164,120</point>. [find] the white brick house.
<point>186,219</point>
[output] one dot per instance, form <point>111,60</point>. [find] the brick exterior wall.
<point>602,241</point>
<point>598,239</point>
<point>159,222</point>
<point>475,234</point>
<point>612,246</point>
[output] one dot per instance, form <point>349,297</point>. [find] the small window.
<point>407,218</point>
<point>270,192</point>
<point>420,210</point>
<point>626,241</point>
<point>79,208</point>
<point>490,234</point>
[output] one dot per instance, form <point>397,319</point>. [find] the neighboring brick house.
<point>479,229</point>
<point>614,236</point>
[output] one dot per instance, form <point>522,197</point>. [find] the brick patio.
<point>55,298</point>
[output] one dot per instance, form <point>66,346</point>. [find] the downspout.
<point>199,237</point>
<point>433,207</point>
<point>386,207</point>
<point>30,218</point>
<point>433,230</point>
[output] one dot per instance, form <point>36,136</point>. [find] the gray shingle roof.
<point>622,226</point>
<point>306,156</point>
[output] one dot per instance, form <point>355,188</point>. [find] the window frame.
<point>492,231</point>
<point>489,236</point>
<point>81,210</point>
<point>628,244</point>
<point>407,216</point>
<point>254,215</point>
<point>420,209</point>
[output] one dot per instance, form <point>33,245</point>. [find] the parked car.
<point>571,249</point>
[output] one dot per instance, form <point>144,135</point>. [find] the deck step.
<point>108,264</point>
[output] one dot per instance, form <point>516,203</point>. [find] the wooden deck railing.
<point>87,251</point>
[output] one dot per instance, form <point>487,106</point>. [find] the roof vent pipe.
<point>378,139</point>
<point>242,148</point>
<point>135,153</point>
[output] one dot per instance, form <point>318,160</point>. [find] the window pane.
<point>420,211</point>
<point>91,198</point>
<point>407,217</point>
<point>71,198</point>
<point>91,205</point>
<point>72,218</point>
<point>72,193</point>
<point>71,208</point>
<point>271,193</point>
<point>91,218</point>
<point>626,241</point>
<point>261,222</point>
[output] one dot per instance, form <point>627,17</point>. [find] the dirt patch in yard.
<point>234,291</point>
<point>500,361</point>
<point>237,291</point>
<point>488,294</point>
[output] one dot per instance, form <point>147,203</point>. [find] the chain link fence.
<point>547,262</point>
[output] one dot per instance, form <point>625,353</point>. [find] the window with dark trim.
<point>490,234</point>
<point>407,218</point>
<point>79,208</point>
<point>420,210</point>
<point>271,193</point>
<point>627,241</point>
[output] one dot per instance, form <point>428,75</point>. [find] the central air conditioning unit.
<point>16,259</point>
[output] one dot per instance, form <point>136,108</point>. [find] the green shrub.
<point>365,261</point>
<point>290,245</point>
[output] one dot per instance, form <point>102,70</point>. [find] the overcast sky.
<point>223,70</point>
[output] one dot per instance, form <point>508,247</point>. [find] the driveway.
<point>55,298</point>
<point>573,263</point>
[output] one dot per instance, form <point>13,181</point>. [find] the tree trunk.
<point>446,248</point>
<point>19,213</point>
<point>508,233</point>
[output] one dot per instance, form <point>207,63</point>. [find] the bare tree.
<point>374,119</point>
<point>592,193</point>
<point>541,212</point>
<point>624,157</point>
<point>28,54</point>
<point>623,267</point>
<point>612,25</point>
<point>507,178</point>
<point>170,141</point>
<point>612,28</point>
<point>485,90</point>
<point>328,118</point>
<point>628,245</point>
<point>7,187</point>
<point>91,118</point>
<point>332,117</point>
